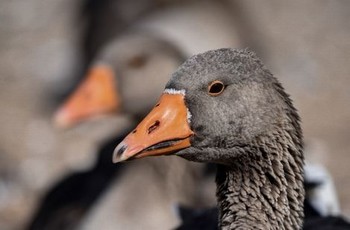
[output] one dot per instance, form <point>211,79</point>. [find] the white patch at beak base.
<point>183,92</point>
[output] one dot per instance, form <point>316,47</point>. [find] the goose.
<point>116,72</point>
<point>223,106</point>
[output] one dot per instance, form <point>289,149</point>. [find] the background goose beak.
<point>165,130</point>
<point>96,95</point>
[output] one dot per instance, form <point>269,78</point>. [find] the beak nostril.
<point>135,130</point>
<point>157,105</point>
<point>153,127</point>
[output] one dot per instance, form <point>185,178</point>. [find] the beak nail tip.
<point>118,153</point>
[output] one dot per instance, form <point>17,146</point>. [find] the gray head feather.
<point>252,130</point>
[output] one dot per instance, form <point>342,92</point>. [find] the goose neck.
<point>261,192</point>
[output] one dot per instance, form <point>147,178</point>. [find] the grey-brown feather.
<point>264,189</point>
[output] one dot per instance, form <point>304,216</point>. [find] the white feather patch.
<point>183,92</point>
<point>175,91</point>
<point>189,115</point>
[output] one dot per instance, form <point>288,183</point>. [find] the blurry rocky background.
<point>45,47</point>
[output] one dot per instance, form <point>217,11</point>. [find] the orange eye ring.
<point>215,88</point>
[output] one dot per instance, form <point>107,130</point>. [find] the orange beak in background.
<point>96,95</point>
<point>165,130</point>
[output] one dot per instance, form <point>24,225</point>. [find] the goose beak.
<point>165,130</point>
<point>95,95</point>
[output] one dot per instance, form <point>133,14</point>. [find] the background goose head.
<point>127,75</point>
<point>225,107</point>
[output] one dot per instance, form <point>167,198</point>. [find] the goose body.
<point>231,111</point>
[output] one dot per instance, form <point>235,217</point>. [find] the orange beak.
<point>96,95</point>
<point>165,130</point>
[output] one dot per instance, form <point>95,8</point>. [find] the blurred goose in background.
<point>259,154</point>
<point>112,84</point>
<point>103,21</point>
<point>128,70</point>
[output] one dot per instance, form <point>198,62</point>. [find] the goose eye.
<point>137,61</point>
<point>216,88</point>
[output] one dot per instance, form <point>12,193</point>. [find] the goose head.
<point>225,107</point>
<point>217,101</point>
<point>126,76</point>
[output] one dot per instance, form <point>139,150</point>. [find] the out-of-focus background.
<point>47,46</point>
